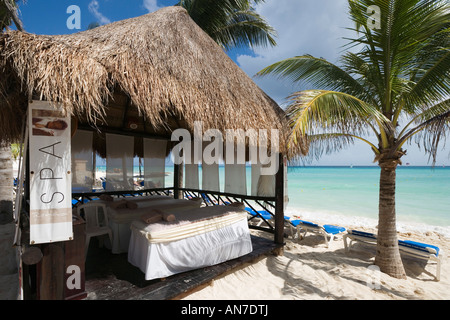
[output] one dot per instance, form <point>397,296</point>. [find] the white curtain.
<point>266,186</point>
<point>154,163</point>
<point>82,162</point>
<point>191,176</point>
<point>119,162</point>
<point>256,173</point>
<point>262,185</point>
<point>210,174</point>
<point>210,177</point>
<point>235,179</point>
<point>235,173</point>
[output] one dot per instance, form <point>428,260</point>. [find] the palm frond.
<point>433,84</point>
<point>431,133</point>
<point>320,112</point>
<point>317,72</point>
<point>231,23</point>
<point>366,73</point>
<point>424,119</point>
<point>406,25</point>
<point>324,143</point>
<point>245,28</point>
<point>9,14</point>
<point>328,143</point>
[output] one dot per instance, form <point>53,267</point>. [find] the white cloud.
<point>94,7</point>
<point>303,27</point>
<point>151,5</point>
<point>315,27</point>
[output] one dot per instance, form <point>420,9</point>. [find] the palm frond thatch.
<point>161,66</point>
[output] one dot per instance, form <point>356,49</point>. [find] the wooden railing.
<point>253,204</point>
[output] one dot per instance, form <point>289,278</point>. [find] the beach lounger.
<point>361,236</point>
<point>262,215</point>
<point>328,231</point>
<point>407,247</point>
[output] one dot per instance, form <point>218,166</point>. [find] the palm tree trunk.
<point>6,185</point>
<point>388,255</point>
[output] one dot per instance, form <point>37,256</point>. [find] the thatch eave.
<point>160,69</point>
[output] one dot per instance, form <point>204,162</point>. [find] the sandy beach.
<point>309,270</point>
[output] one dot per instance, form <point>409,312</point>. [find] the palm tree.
<point>231,23</point>
<point>397,86</point>
<point>8,15</point>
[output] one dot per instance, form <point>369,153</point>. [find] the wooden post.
<point>50,274</point>
<point>279,202</point>
<point>177,181</point>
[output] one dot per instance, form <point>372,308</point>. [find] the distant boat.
<point>407,163</point>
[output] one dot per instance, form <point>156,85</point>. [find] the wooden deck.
<point>112,277</point>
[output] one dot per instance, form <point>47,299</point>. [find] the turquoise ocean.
<point>349,195</point>
<point>422,193</point>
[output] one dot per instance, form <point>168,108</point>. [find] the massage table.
<point>120,218</point>
<point>197,238</point>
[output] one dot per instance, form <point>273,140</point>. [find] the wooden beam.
<point>106,129</point>
<point>233,195</point>
<point>279,202</point>
<point>177,181</point>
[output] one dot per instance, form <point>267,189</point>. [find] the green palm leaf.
<point>320,111</point>
<point>317,72</point>
<point>231,23</point>
<point>244,28</point>
<point>9,14</point>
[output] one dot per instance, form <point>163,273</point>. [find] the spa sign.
<point>50,179</point>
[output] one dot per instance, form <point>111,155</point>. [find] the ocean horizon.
<point>349,194</point>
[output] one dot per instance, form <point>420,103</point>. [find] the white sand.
<point>310,270</point>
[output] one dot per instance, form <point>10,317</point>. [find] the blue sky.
<point>314,27</point>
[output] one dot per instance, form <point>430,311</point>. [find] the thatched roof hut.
<point>148,75</point>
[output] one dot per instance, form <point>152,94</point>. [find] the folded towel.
<point>152,216</point>
<point>121,204</point>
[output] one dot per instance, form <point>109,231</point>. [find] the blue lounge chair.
<point>422,251</point>
<point>266,215</point>
<point>361,236</point>
<point>261,215</point>
<point>327,230</point>
<point>407,247</point>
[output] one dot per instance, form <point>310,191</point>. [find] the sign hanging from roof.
<point>50,178</point>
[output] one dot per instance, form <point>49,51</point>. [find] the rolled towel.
<point>152,216</point>
<point>106,197</point>
<point>239,205</point>
<point>196,199</point>
<point>121,204</point>
<point>169,217</point>
<point>131,205</point>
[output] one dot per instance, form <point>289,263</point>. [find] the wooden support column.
<point>50,270</point>
<point>177,181</point>
<point>279,202</point>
